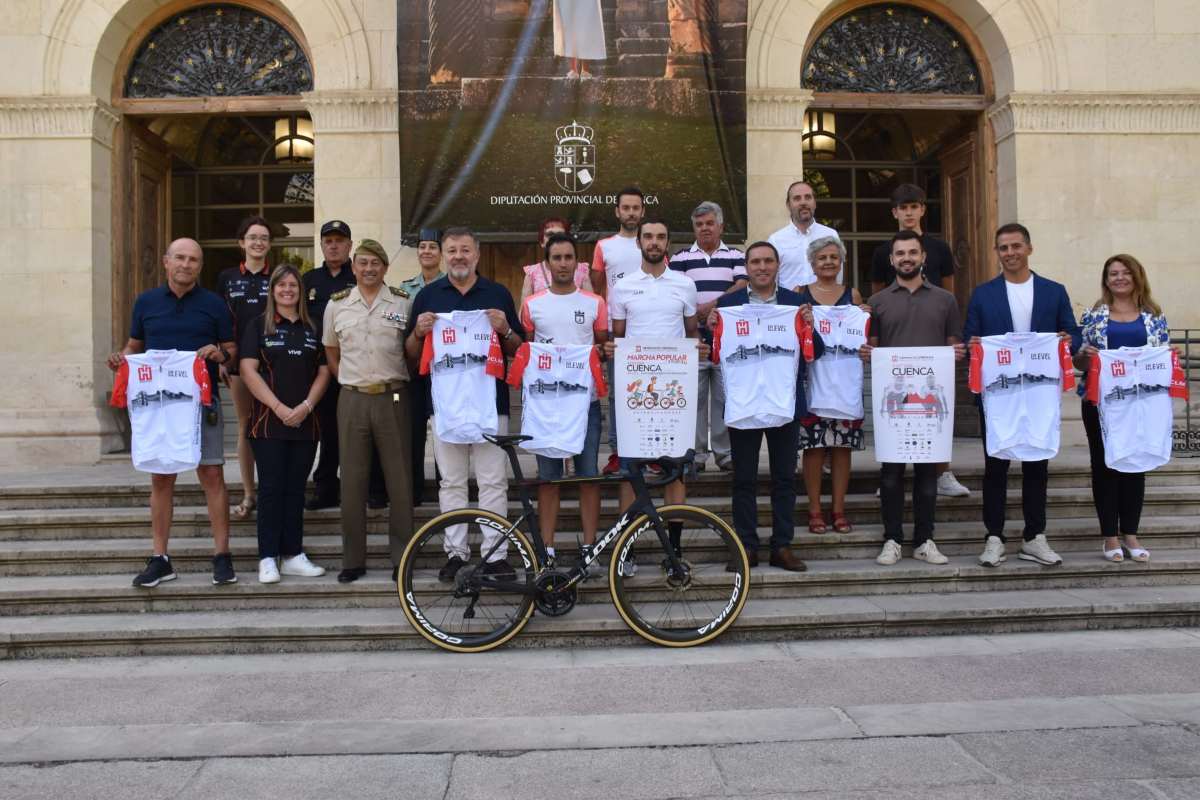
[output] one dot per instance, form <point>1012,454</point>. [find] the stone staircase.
<point>69,547</point>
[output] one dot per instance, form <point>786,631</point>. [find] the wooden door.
<point>962,215</point>
<point>141,211</point>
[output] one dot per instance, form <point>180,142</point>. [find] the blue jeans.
<point>586,463</point>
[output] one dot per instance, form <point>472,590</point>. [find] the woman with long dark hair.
<point>283,366</point>
<point>1126,315</point>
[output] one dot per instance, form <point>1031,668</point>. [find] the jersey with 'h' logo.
<point>557,384</point>
<point>759,349</point>
<point>835,384</point>
<point>1132,388</point>
<point>463,355</point>
<point>164,391</point>
<point>1020,376</point>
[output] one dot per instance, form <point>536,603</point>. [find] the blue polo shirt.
<point>163,321</point>
<point>442,297</point>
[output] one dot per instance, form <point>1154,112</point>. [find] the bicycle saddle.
<point>507,439</point>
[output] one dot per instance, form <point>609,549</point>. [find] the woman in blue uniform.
<point>283,367</point>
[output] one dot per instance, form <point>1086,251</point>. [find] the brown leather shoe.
<point>785,559</point>
<point>751,559</point>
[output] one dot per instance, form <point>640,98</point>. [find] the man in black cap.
<point>429,256</point>
<point>334,275</point>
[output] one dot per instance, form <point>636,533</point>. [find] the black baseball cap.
<point>336,226</point>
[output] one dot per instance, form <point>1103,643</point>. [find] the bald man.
<point>180,315</point>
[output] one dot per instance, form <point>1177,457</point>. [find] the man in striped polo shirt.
<point>717,270</point>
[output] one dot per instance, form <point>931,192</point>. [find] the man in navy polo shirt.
<point>183,316</point>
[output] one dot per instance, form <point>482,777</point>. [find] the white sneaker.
<point>993,552</point>
<point>267,571</point>
<point>928,552</point>
<point>301,566</point>
<point>1038,550</point>
<point>889,555</point>
<point>948,486</point>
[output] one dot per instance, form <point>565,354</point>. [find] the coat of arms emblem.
<point>574,157</point>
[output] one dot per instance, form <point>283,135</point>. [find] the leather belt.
<point>376,388</point>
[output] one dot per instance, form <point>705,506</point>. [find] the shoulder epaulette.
<point>396,290</point>
<point>342,295</point>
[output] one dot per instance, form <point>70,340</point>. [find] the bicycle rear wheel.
<point>466,613</point>
<point>673,610</point>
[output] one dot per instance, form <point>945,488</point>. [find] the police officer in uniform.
<point>429,256</point>
<point>363,334</point>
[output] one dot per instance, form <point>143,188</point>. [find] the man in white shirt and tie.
<point>792,240</point>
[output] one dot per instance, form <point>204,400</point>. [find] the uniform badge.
<point>312,294</point>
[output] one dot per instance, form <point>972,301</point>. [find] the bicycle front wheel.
<point>466,612</point>
<point>680,610</point>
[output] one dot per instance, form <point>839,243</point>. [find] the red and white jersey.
<point>759,347</point>
<point>835,380</point>
<point>463,355</point>
<point>1021,377</point>
<point>1133,387</point>
<point>573,318</point>
<point>557,384</point>
<point>164,391</point>
<point>616,256</point>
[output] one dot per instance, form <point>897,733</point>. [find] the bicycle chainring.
<point>551,599</point>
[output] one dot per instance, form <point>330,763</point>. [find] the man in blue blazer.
<point>762,266</point>
<point>1017,301</point>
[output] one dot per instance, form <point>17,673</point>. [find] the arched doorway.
<point>899,95</point>
<point>213,130</point>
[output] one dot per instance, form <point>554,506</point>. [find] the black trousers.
<point>891,501</point>
<point>1118,496</point>
<point>744,446</point>
<point>1034,477</point>
<point>325,477</point>
<point>283,466</point>
<point>420,406</point>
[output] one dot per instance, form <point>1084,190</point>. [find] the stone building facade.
<point>1086,129</point>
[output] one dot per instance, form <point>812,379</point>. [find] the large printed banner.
<point>912,391</point>
<point>515,110</point>
<point>654,388</point>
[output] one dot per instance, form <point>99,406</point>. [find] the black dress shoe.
<point>318,501</point>
<point>351,575</point>
<point>377,502</point>
<point>395,574</point>
<point>751,559</point>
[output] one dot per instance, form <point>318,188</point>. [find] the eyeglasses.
<point>258,239</point>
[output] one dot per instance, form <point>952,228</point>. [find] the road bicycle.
<point>678,575</point>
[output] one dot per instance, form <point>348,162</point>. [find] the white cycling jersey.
<point>759,348</point>
<point>1132,388</point>
<point>835,380</point>
<point>164,391</point>
<point>463,355</point>
<point>557,384</point>
<point>1021,377</point>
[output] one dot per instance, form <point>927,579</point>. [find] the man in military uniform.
<point>363,333</point>
<point>429,256</point>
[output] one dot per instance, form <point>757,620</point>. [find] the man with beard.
<point>464,289</point>
<point>792,240</point>
<point>652,304</point>
<point>911,312</point>
<point>615,257</point>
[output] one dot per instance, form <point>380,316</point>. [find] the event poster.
<point>515,110</point>
<point>655,396</point>
<point>912,394</point>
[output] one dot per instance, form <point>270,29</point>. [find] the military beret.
<point>336,226</point>
<point>374,248</point>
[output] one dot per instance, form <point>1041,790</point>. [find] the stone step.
<point>864,478</point>
<point>592,624</point>
<point>193,590</point>
<point>191,545</point>
<point>862,509</point>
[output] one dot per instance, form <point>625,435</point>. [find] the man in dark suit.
<point>762,266</point>
<point>1017,301</point>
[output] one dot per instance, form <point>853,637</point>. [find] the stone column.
<point>56,308</point>
<point>691,37</point>
<point>774,156</point>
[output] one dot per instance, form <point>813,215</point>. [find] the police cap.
<point>336,226</point>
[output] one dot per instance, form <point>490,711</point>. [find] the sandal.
<point>242,510</point>
<point>816,523</point>
<point>1139,554</point>
<point>1116,555</point>
<point>841,524</point>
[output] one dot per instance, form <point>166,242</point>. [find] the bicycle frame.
<point>642,504</point>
